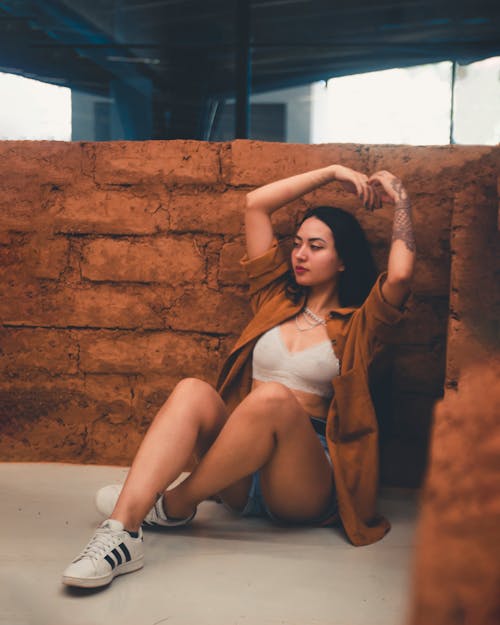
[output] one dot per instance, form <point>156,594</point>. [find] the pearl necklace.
<point>312,320</point>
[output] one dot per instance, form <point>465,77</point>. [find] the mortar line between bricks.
<point>215,335</point>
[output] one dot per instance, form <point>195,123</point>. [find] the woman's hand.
<point>388,187</point>
<point>355,182</point>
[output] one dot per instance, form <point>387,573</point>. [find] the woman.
<point>285,435</point>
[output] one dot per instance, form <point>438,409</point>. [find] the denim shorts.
<point>256,505</point>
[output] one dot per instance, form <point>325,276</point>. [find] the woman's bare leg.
<point>269,429</point>
<point>190,420</point>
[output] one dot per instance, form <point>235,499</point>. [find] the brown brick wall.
<point>119,275</point>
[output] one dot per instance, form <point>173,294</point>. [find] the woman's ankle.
<point>129,524</point>
<point>175,507</point>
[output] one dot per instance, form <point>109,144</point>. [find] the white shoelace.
<point>104,540</point>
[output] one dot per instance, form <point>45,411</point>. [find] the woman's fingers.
<point>370,205</point>
<point>356,179</point>
<point>359,188</point>
<point>382,182</point>
<point>370,196</point>
<point>365,194</point>
<point>372,191</point>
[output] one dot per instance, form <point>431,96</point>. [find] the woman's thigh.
<point>297,481</point>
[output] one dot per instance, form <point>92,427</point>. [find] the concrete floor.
<point>222,570</point>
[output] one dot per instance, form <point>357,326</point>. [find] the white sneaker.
<point>107,496</point>
<point>111,551</point>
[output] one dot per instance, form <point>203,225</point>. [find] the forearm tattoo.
<point>402,227</point>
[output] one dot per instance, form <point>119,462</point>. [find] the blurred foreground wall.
<point>119,275</point>
<point>457,555</point>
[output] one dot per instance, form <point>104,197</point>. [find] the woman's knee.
<point>194,388</point>
<point>195,399</point>
<point>275,404</point>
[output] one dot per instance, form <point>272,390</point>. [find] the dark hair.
<point>360,272</point>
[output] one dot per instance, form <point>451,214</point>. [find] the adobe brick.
<point>21,206</point>
<point>426,322</point>
<point>126,437</point>
<point>175,261</point>
<point>474,301</point>
<point>5,237</point>
<point>211,249</point>
<point>105,306</point>
<point>230,271</point>
<point>43,421</point>
<point>88,210</point>
<point>168,353</point>
<point>215,212</point>
<point>25,350</point>
<point>105,387</point>
<point>436,169</point>
<point>110,397</point>
<point>432,275</point>
<point>204,310</point>
<point>149,393</point>
<point>35,162</point>
<point>47,257</point>
<point>55,419</point>
<point>255,162</point>
<point>169,162</point>
<point>42,441</point>
<point>42,256</point>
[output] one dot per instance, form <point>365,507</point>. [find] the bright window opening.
<point>477,103</point>
<point>410,106</point>
<point>30,109</point>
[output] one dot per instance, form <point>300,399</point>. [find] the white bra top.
<point>310,370</point>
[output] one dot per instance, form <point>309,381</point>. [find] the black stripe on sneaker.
<point>110,561</point>
<point>126,552</point>
<point>117,556</point>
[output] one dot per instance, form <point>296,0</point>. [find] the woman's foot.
<point>107,497</point>
<point>111,551</point>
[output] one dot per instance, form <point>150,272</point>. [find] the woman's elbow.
<point>396,291</point>
<point>401,278</point>
<point>250,203</point>
<point>401,273</point>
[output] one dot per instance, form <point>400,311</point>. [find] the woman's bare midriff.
<point>314,405</point>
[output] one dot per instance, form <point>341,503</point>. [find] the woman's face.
<point>315,260</point>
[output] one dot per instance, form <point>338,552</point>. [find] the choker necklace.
<point>312,320</point>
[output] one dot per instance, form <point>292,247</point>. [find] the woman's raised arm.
<point>262,202</point>
<point>402,254</point>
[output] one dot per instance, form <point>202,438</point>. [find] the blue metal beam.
<point>70,29</point>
